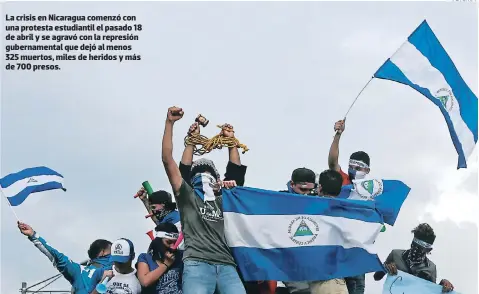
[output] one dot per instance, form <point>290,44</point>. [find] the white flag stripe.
<point>417,68</point>
<point>277,231</point>
<point>18,186</point>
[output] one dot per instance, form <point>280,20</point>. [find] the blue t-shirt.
<point>169,282</point>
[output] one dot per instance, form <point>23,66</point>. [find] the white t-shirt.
<point>123,283</point>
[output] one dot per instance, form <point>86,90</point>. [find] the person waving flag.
<point>423,64</point>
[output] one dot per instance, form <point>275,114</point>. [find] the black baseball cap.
<point>161,197</point>
<point>303,175</point>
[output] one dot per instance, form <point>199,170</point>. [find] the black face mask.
<point>417,254</point>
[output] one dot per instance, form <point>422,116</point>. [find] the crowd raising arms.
<point>205,265</point>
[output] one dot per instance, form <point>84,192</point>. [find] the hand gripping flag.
<point>423,64</point>
<point>18,186</point>
<point>275,236</point>
<point>388,195</point>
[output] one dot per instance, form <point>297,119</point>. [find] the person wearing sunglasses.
<point>414,261</point>
<point>160,269</point>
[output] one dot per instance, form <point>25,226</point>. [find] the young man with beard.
<point>82,278</point>
<point>303,182</point>
<point>414,261</point>
<point>208,262</point>
<point>358,169</point>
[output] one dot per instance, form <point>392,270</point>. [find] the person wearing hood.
<point>358,169</point>
<point>303,182</point>
<point>82,278</point>
<point>414,261</point>
<point>209,265</point>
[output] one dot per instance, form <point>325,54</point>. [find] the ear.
<point>368,170</point>
<point>291,183</point>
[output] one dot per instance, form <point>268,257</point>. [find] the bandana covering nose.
<point>160,214</point>
<point>103,260</point>
<point>203,185</point>
<point>418,251</point>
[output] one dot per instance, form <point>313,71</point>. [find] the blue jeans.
<point>200,277</point>
<point>356,284</point>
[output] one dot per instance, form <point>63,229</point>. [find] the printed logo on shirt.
<point>210,211</point>
<point>303,230</point>
<point>169,282</point>
<point>446,97</point>
<point>119,288</point>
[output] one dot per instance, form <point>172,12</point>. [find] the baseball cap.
<point>161,197</point>
<point>303,175</point>
<point>122,250</point>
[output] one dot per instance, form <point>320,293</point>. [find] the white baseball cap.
<point>122,250</point>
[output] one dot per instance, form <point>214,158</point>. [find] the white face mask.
<point>360,175</point>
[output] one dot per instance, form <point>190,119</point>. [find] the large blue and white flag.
<point>388,195</point>
<point>423,64</point>
<point>18,186</point>
<point>279,237</point>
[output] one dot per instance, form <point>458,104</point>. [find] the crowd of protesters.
<point>203,263</point>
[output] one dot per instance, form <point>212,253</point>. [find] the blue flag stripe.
<point>20,197</point>
<point>304,263</point>
<point>389,71</point>
<point>263,202</point>
<point>427,43</point>
<point>8,180</point>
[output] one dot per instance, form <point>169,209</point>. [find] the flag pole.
<point>371,80</point>
<point>9,204</point>
<point>358,97</point>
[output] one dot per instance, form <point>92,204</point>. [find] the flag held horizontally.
<point>18,186</point>
<point>279,237</point>
<point>423,64</point>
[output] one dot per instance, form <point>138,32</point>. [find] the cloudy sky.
<point>282,74</point>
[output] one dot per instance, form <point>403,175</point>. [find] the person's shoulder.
<point>431,263</point>
<point>143,257</point>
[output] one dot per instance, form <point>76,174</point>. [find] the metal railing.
<point>25,289</point>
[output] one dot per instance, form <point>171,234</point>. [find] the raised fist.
<point>174,114</point>
<point>227,131</point>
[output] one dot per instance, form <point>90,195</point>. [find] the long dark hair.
<point>157,249</point>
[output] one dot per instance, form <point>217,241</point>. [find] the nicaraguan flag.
<point>388,195</point>
<point>18,186</point>
<point>279,237</point>
<point>423,64</point>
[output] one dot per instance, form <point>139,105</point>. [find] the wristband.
<point>167,267</point>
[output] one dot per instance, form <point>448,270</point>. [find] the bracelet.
<point>167,267</point>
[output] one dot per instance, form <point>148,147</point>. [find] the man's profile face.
<point>106,251</point>
<point>302,188</point>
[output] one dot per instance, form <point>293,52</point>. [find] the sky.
<point>282,74</point>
